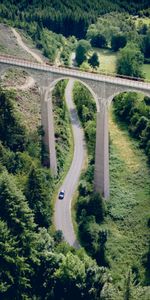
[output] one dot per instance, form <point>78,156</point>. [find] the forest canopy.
<point>67,17</point>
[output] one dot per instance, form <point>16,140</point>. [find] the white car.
<point>61,194</point>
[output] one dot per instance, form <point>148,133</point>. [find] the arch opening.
<point>116,93</point>
<point>52,85</point>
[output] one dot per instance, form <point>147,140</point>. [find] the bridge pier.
<point>101,175</point>
<point>48,127</point>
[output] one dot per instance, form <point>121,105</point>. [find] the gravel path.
<point>29,80</point>
<point>25,47</point>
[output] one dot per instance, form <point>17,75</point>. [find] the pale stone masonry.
<point>101,175</point>
<point>103,89</point>
<point>47,121</point>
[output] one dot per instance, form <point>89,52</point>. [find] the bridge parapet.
<point>75,73</point>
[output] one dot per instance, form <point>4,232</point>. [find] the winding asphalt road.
<point>63,219</point>
<point>62,216</point>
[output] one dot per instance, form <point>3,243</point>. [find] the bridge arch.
<point>126,90</point>
<point>52,85</point>
<point>47,116</point>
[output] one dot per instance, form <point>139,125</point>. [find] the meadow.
<point>108,59</point>
<point>128,207</point>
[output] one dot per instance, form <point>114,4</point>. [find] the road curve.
<point>62,216</point>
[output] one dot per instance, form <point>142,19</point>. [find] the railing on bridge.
<point>66,70</point>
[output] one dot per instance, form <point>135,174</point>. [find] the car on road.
<point>61,195</point>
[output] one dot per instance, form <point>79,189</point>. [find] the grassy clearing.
<point>28,101</point>
<point>146,70</point>
<point>9,45</point>
<point>107,60</point>
<point>28,104</point>
<point>14,77</point>
<point>128,209</point>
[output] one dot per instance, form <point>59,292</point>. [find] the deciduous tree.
<point>81,51</point>
<point>130,61</point>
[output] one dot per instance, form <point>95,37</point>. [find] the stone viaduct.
<point>102,87</point>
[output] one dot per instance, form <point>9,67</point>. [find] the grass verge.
<point>146,71</point>
<point>107,60</point>
<point>75,199</point>
<point>128,208</point>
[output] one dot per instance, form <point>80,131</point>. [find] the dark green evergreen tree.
<point>38,193</point>
<point>12,133</point>
<point>13,266</point>
<point>94,60</point>
<point>14,211</point>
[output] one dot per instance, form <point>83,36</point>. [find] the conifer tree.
<point>38,193</point>
<point>94,60</point>
<point>19,232</point>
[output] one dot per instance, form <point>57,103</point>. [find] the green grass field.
<point>146,70</point>
<point>107,60</point>
<point>128,207</point>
